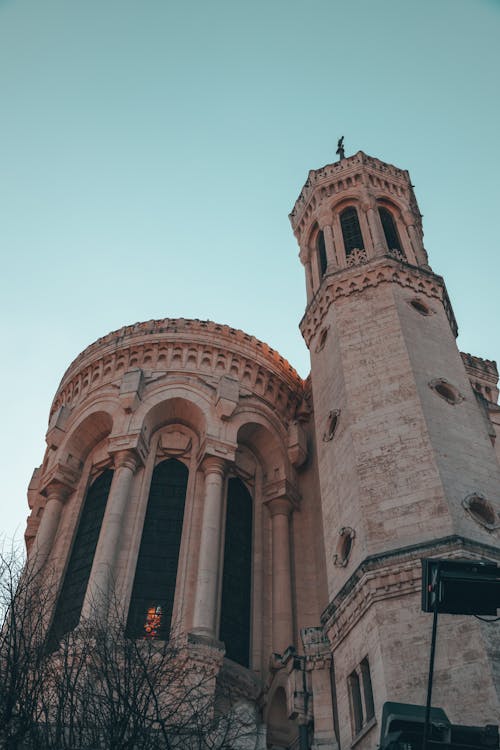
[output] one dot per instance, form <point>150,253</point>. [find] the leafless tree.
<point>101,690</point>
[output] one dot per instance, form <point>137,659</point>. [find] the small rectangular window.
<point>355,700</point>
<point>367,689</point>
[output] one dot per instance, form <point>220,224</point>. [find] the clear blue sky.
<point>151,150</point>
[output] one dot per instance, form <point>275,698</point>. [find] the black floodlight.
<point>460,587</point>
<point>403,729</point>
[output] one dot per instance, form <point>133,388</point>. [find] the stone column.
<point>305,259</point>
<point>57,493</point>
<point>417,246</point>
<point>101,581</point>
<point>373,218</point>
<point>209,563</point>
<point>280,509</point>
<point>330,248</point>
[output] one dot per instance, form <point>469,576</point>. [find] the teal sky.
<point>150,153</point>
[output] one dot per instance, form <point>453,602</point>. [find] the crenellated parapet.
<point>169,346</point>
<point>483,375</point>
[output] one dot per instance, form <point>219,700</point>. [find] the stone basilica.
<point>280,523</point>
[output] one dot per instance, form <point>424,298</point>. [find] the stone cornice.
<point>169,346</point>
<point>391,574</point>
<point>379,271</point>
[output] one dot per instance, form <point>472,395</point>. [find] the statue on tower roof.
<point>340,148</point>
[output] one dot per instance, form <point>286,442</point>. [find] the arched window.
<point>351,231</point>
<point>70,601</point>
<point>237,575</point>
<point>321,250</point>
<point>390,230</point>
<point>152,600</point>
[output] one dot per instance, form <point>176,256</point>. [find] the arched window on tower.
<point>390,230</point>
<point>321,250</point>
<point>70,601</point>
<point>237,576</point>
<point>351,231</point>
<point>153,592</point>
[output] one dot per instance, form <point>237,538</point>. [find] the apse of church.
<point>192,477</point>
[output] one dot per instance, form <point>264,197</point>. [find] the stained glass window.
<point>153,590</point>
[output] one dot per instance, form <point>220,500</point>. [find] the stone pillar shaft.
<point>101,581</point>
<point>379,244</point>
<point>56,496</point>
<point>209,564</point>
<point>282,630</point>
<point>330,248</point>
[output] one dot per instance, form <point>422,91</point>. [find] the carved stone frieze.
<point>380,271</point>
<point>169,346</point>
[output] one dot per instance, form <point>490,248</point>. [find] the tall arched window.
<point>153,592</point>
<point>321,250</point>
<point>70,601</point>
<point>390,230</point>
<point>237,575</point>
<point>351,231</point>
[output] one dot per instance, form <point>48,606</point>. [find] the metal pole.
<point>431,669</point>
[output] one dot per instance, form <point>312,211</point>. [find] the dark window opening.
<point>321,248</point>
<point>351,231</point>
<point>70,601</point>
<point>356,705</point>
<point>390,230</point>
<point>237,576</point>
<point>153,592</point>
<point>367,689</point>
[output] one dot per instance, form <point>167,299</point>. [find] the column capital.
<point>304,254</point>
<point>279,506</point>
<point>281,489</point>
<point>214,465</point>
<point>128,458</point>
<point>59,482</point>
<point>213,447</point>
<point>128,444</point>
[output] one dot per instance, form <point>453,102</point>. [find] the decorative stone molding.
<point>218,449</point>
<point>332,422</point>
<point>481,511</point>
<point>356,257</point>
<point>227,397</point>
<point>281,489</point>
<point>297,444</point>
<point>131,389</point>
<point>161,347</point>
<point>57,427</point>
<point>380,271</point>
<point>60,478</point>
<point>390,574</point>
<point>133,443</point>
<point>344,546</point>
<point>323,335</point>
<point>446,391</point>
<point>420,306</point>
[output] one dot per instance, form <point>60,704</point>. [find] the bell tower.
<point>404,447</point>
